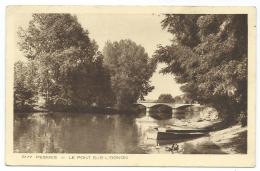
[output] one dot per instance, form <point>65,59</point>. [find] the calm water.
<point>91,133</point>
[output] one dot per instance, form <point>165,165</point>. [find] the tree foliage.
<point>25,85</point>
<point>208,55</point>
<point>130,70</point>
<point>185,98</point>
<point>70,65</point>
<point>165,98</point>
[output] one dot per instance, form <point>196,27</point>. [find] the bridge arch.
<point>138,104</point>
<point>161,104</point>
<point>148,106</point>
<point>161,108</point>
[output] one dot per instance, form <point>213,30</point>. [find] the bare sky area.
<point>144,29</point>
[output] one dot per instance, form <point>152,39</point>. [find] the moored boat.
<point>179,133</point>
<point>174,135</point>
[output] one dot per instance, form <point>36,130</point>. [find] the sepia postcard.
<point>130,86</point>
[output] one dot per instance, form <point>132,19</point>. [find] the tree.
<point>130,70</point>
<point>70,65</point>
<point>165,98</point>
<point>185,98</point>
<point>25,85</point>
<point>208,56</point>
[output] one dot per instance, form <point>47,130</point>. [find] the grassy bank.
<point>231,140</point>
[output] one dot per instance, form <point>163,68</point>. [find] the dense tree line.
<point>208,55</point>
<point>65,67</point>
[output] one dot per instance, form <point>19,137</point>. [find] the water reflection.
<point>92,133</point>
<point>75,133</point>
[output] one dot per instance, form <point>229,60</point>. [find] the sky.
<point>144,29</point>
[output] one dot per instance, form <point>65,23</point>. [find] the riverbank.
<point>73,109</point>
<point>223,138</point>
<point>231,140</point>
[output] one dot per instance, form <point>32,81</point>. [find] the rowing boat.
<point>177,133</point>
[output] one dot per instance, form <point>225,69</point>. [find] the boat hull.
<point>177,135</point>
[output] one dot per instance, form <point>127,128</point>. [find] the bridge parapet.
<point>172,105</point>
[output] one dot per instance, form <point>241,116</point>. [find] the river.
<point>93,133</point>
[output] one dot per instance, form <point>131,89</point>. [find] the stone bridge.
<point>149,104</point>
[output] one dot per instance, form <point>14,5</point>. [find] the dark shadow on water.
<point>160,115</point>
<point>139,114</point>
